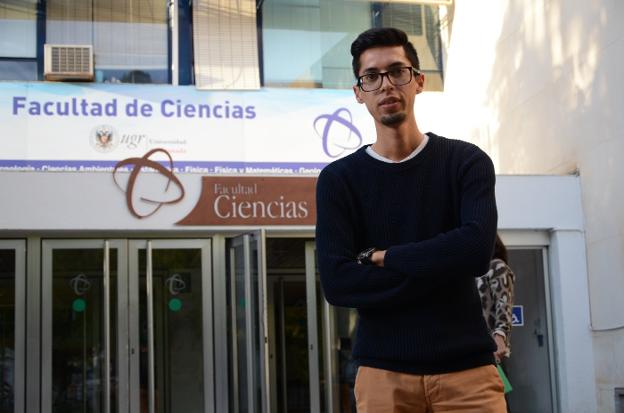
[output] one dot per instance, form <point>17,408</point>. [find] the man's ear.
<point>357,92</point>
<point>420,82</point>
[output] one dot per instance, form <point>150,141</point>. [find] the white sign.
<point>72,127</point>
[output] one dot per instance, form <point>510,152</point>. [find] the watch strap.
<point>364,257</point>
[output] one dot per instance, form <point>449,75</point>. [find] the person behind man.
<point>404,226</point>
<point>496,288</point>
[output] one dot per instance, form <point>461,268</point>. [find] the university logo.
<point>80,284</point>
<point>175,284</point>
<point>104,138</point>
<point>140,204</point>
<point>337,132</point>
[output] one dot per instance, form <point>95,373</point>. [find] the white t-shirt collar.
<point>371,152</point>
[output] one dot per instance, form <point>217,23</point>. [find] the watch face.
<point>364,256</point>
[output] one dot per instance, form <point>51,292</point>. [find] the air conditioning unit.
<point>68,62</point>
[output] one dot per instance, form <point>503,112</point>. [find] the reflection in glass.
<point>178,338</point>
<point>321,339</point>
<point>7,330</point>
<point>292,344</point>
<point>241,330</point>
<point>346,320</point>
<point>258,362</point>
<point>422,25</point>
<point>291,322</point>
<point>18,29</point>
<point>327,28</point>
<point>129,37</point>
<point>245,327</point>
<point>240,306</point>
<point>78,359</point>
<point>19,70</point>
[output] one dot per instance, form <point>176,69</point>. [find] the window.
<point>18,40</point>
<point>129,37</point>
<point>306,43</point>
<point>422,25</point>
<point>18,69</point>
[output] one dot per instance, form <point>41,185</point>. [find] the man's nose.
<point>385,81</point>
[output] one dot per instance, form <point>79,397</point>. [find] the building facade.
<point>541,96</point>
<point>158,164</point>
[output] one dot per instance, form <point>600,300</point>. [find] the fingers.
<point>499,354</point>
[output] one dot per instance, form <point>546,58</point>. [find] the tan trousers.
<point>478,390</point>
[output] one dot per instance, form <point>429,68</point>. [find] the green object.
<point>506,384</point>
<point>175,304</point>
<point>79,305</point>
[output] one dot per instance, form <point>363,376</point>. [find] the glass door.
<point>127,326</point>
<point>170,325</point>
<point>313,339</point>
<point>12,322</point>
<point>248,312</point>
<point>297,319</point>
<point>83,326</point>
<point>336,327</point>
<point>531,365</point>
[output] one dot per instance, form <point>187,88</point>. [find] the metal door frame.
<point>261,304</point>
<point>540,241</point>
<point>313,337</point>
<point>19,355</point>
<point>134,246</point>
<point>329,345</point>
<point>552,355</point>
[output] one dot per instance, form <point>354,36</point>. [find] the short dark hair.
<point>381,37</point>
<point>500,251</point>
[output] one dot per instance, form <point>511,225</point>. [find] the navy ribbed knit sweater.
<point>436,216</point>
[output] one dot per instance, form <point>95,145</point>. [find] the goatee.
<point>393,119</point>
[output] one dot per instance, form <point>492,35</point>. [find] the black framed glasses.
<point>397,76</point>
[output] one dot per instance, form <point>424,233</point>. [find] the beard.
<point>393,119</point>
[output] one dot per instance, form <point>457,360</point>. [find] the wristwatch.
<point>364,257</point>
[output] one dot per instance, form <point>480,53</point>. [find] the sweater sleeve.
<point>502,282</point>
<point>345,282</point>
<point>465,250</point>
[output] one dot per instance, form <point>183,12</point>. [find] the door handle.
<point>537,332</point>
<point>540,337</point>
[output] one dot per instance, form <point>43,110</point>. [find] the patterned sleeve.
<point>502,287</point>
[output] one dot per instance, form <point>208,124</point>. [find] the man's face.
<point>389,105</point>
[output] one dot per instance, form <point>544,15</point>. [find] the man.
<point>403,228</point>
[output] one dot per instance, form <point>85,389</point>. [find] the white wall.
<point>539,85</point>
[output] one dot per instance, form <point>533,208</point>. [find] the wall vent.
<point>68,62</point>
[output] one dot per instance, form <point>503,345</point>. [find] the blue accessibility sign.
<point>517,315</point>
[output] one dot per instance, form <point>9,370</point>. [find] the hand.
<point>501,348</point>
<point>378,258</point>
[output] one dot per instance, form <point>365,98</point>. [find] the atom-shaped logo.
<point>175,284</point>
<point>138,165</point>
<point>337,143</point>
<point>80,284</point>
